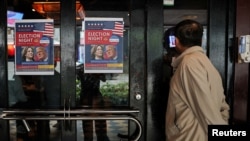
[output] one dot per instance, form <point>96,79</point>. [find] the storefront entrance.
<point>129,96</point>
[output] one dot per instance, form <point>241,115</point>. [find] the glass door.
<point>103,91</point>
<point>47,110</point>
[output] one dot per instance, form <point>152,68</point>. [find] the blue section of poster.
<point>34,53</point>
<point>103,45</point>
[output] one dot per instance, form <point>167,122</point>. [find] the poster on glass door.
<point>103,43</point>
<point>34,51</point>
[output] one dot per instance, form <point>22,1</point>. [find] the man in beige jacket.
<point>196,97</point>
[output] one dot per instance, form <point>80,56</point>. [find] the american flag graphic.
<point>118,29</point>
<point>47,29</point>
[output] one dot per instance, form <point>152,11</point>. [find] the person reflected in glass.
<point>162,72</point>
<point>91,97</point>
<point>28,54</point>
<point>52,93</point>
<point>18,99</point>
<point>97,52</point>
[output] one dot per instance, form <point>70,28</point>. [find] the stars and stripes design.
<point>47,29</point>
<point>118,28</point>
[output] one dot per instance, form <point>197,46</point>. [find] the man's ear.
<point>177,42</point>
<point>178,46</point>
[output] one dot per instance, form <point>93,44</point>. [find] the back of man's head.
<point>189,33</point>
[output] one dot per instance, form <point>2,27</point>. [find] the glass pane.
<point>33,92</point>
<point>106,90</point>
<point>113,87</point>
